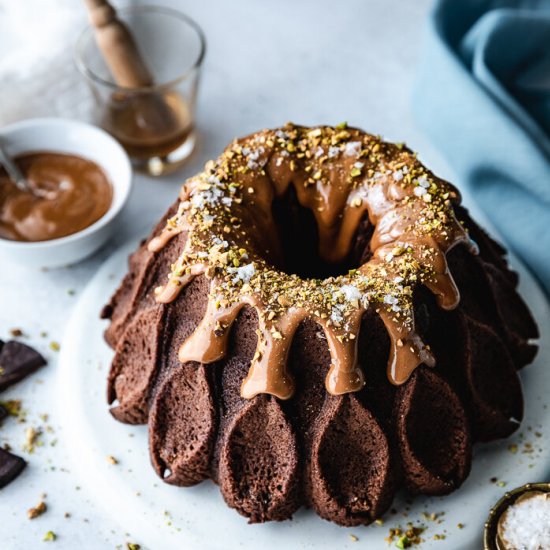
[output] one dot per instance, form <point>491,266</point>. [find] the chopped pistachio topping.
<point>217,212</point>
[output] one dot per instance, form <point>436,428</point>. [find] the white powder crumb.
<point>205,197</point>
<point>419,191</point>
<point>526,524</point>
<point>333,151</point>
<point>398,175</point>
<point>218,242</point>
<point>214,180</point>
<point>423,182</point>
<point>319,152</point>
<point>337,313</point>
<point>243,273</point>
<point>198,201</point>
<point>352,148</point>
<point>253,157</point>
<point>351,292</point>
<point>392,301</point>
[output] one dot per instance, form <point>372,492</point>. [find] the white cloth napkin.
<point>38,76</point>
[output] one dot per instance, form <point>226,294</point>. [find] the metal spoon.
<point>14,173</point>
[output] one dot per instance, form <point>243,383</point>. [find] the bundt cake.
<point>318,323</point>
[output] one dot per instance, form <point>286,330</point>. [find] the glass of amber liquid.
<point>154,123</point>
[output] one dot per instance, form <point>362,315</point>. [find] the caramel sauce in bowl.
<point>69,194</point>
<point>81,178</point>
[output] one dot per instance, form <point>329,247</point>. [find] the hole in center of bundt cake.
<point>299,238</point>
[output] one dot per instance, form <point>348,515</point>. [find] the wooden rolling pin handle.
<point>118,46</point>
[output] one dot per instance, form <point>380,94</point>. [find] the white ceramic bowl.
<point>72,137</point>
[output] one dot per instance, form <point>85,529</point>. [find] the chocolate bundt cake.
<point>318,323</point>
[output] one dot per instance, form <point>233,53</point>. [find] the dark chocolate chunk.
<point>3,413</point>
<point>17,360</point>
<point>10,467</point>
<point>106,312</point>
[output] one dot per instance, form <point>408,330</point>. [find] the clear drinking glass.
<point>155,124</point>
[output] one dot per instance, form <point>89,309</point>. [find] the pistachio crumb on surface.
<point>37,511</point>
<point>31,439</point>
<point>406,537</point>
<point>50,536</point>
<point>13,406</point>
<point>55,346</point>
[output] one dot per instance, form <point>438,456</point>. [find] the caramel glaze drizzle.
<point>339,173</point>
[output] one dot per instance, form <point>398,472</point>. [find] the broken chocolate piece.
<point>10,467</point>
<point>17,360</point>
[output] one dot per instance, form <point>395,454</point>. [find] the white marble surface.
<point>268,62</point>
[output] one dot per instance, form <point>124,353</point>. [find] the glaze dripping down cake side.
<point>318,322</point>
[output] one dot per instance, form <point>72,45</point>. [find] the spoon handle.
<point>13,171</point>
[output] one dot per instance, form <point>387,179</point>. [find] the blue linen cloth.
<point>483,96</point>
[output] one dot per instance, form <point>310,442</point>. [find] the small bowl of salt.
<point>520,520</point>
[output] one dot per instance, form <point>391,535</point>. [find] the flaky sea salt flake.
<point>526,524</point>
